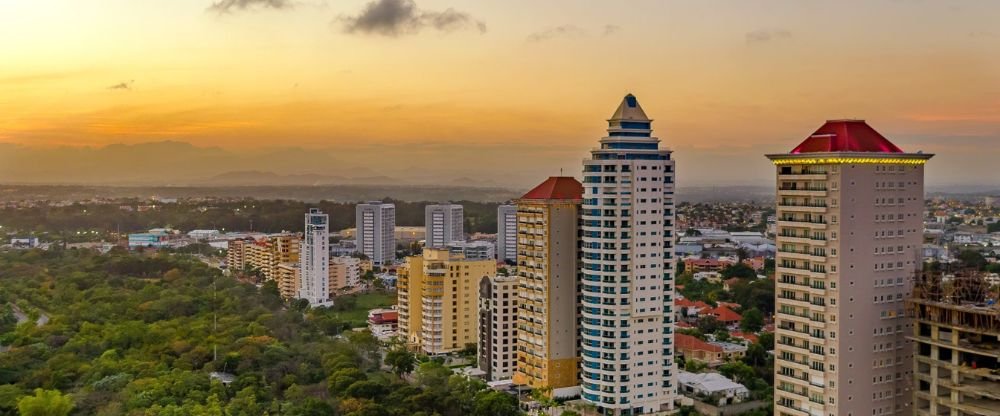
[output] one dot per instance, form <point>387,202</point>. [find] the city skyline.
<point>729,81</point>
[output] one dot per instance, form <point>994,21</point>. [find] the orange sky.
<point>526,82</point>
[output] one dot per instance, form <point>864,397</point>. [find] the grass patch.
<point>353,309</point>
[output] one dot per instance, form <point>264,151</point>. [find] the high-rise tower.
<point>444,224</point>
<point>314,259</point>
<point>548,270</point>
<point>628,274</point>
<point>376,228</point>
<point>849,237</point>
<point>507,233</point>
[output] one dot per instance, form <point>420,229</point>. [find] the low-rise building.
<point>150,239</point>
<point>203,235</point>
<point>383,322</point>
<point>712,354</point>
<point>712,387</point>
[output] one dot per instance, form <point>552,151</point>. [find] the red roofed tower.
<point>548,219</point>
<point>849,238</point>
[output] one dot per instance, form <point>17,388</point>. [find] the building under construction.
<point>956,324</point>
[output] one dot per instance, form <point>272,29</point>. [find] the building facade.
<point>375,228</point>
<point>474,250</point>
<point>438,294</point>
<point>628,269</point>
<point>345,274</point>
<point>314,267</point>
<point>849,238</point>
<point>507,233</point>
<point>548,270</point>
<point>443,224</point>
<point>956,350</point>
<point>287,278</point>
<point>498,326</point>
<point>262,256</point>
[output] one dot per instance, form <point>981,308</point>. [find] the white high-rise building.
<point>850,236</point>
<point>376,227</point>
<point>314,259</point>
<point>507,233</point>
<point>627,284</point>
<point>444,224</point>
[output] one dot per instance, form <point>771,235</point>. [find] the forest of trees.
<point>135,334</point>
<point>232,215</point>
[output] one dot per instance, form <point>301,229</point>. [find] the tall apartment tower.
<point>507,233</point>
<point>849,236</point>
<point>376,231</point>
<point>438,298</point>
<point>628,269</point>
<point>314,266</point>
<point>497,326</point>
<point>548,272</point>
<point>444,224</point>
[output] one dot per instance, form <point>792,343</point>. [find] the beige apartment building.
<point>438,294</point>
<point>264,254</point>
<point>345,274</point>
<point>287,278</point>
<point>849,236</point>
<point>548,337</point>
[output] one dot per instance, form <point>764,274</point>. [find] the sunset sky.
<point>507,91</point>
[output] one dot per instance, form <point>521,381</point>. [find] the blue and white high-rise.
<point>627,285</point>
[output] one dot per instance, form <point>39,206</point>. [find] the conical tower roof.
<point>629,110</point>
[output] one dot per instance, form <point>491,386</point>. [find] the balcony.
<point>792,222</point>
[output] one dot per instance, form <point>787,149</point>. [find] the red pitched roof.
<point>730,305</point>
<point>687,342</point>
<point>685,303</point>
<point>724,314</point>
<point>748,337</point>
<point>556,187</point>
<point>846,136</point>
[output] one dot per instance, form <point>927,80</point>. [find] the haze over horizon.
<point>485,93</point>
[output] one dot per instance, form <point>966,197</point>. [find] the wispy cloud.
<point>402,17</point>
<point>125,85</point>
<point>229,6</point>
<point>611,30</point>
<point>556,32</point>
<point>764,36</point>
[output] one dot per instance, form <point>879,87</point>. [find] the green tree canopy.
<point>45,403</point>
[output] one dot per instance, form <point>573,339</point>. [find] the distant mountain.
<point>263,178</point>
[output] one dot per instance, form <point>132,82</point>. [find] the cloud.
<point>982,34</point>
<point>229,6</point>
<point>402,17</point>
<point>125,85</point>
<point>556,32</point>
<point>611,29</point>
<point>764,36</point>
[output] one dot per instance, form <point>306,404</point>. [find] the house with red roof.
<point>751,338</point>
<point>725,315</point>
<point>690,309</point>
<point>710,353</point>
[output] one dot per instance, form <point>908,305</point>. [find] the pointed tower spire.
<point>629,109</point>
<point>629,120</point>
